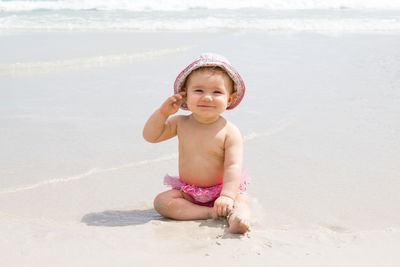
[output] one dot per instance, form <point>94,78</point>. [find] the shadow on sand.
<point>113,218</point>
<point>117,218</point>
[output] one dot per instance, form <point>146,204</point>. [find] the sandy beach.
<point>321,128</point>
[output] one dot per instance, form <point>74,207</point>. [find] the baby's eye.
<point>217,92</point>
<point>198,91</point>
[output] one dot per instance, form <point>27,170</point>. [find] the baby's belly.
<point>204,175</point>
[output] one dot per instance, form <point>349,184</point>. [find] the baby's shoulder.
<point>231,126</point>
<point>179,120</point>
<point>232,130</point>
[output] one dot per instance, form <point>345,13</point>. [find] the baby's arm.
<point>158,127</point>
<point>232,172</point>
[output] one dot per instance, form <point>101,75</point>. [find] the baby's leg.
<point>177,205</point>
<point>239,218</point>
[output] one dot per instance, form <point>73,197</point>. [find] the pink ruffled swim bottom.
<point>204,196</point>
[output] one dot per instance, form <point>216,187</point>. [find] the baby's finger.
<point>215,211</point>
<point>178,99</point>
<point>227,210</point>
<point>180,95</point>
<point>222,211</point>
<point>171,100</point>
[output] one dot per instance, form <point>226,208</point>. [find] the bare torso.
<point>201,151</point>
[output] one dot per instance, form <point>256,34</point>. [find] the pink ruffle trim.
<point>202,195</point>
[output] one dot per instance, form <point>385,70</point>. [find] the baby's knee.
<point>159,203</point>
<point>163,200</point>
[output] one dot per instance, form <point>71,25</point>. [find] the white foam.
<point>192,15</point>
<point>74,64</point>
<point>87,174</point>
<point>205,23</point>
<point>273,131</point>
<point>178,5</point>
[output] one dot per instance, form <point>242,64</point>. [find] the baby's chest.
<point>205,143</point>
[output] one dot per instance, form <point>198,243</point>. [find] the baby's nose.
<point>207,97</point>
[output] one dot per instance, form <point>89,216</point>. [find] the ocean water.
<point>200,15</point>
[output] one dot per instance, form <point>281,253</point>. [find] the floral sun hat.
<point>212,60</point>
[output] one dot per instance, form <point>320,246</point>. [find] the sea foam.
<point>76,64</point>
<point>177,5</point>
<point>196,15</point>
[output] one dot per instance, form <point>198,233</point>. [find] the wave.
<point>87,174</point>
<point>195,15</point>
<point>75,64</point>
<point>178,5</point>
<point>205,24</point>
<point>273,131</point>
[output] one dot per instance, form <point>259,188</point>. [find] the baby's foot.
<point>238,224</point>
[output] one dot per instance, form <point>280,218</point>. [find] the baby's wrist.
<point>163,112</point>
<point>227,195</point>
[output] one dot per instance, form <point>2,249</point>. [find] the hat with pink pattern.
<point>212,60</point>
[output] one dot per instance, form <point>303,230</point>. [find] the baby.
<point>211,182</point>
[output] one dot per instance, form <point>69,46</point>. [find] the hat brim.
<point>238,83</point>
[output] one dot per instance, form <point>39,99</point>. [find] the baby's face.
<point>209,92</point>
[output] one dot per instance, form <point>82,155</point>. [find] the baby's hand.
<point>172,104</point>
<point>222,206</point>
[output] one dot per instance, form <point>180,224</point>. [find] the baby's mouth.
<point>205,106</point>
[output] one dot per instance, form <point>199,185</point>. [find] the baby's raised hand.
<point>222,206</point>
<point>172,104</point>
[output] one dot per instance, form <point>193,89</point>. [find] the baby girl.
<point>211,181</point>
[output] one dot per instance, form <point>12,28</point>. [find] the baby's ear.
<point>183,92</point>
<point>232,98</point>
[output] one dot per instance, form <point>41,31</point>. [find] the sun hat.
<point>212,60</point>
